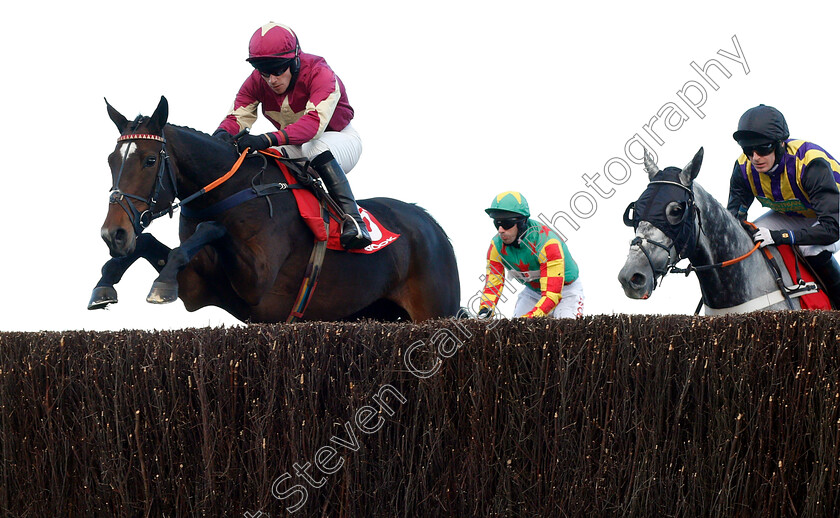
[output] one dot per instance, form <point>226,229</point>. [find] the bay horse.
<point>676,218</point>
<point>250,259</point>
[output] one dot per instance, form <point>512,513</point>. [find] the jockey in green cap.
<point>534,255</point>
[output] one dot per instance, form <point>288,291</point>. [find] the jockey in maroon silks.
<point>307,103</point>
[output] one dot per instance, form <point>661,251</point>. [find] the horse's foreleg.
<point>147,247</point>
<point>165,287</point>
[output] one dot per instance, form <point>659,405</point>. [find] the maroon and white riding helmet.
<point>273,41</point>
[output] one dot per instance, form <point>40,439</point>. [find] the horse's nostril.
<point>638,279</point>
<point>120,236</point>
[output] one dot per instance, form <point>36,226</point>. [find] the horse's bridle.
<point>669,266</point>
<point>141,220</point>
<point>674,255</point>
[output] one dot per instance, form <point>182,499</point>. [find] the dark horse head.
<point>674,219</point>
<point>245,247</point>
<point>143,183</point>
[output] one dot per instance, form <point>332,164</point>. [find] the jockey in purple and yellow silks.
<point>534,255</point>
<point>799,181</point>
<point>306,101</point>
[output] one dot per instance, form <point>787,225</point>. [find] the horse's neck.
<point>198,159</point>
<point>722,239</point>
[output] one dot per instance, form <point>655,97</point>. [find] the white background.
<point>455,101</point>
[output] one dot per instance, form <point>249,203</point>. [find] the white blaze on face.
<point>126,152</point>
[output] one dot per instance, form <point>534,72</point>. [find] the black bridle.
<point>141,220</point>
<point>669,266</point>
<point>691,217</point>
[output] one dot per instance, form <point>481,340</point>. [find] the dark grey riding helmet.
<point>761,125</point>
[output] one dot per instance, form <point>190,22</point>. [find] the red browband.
<point>141,136</point>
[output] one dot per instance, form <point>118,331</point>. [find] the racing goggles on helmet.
<point>506,223</point>
<point>273,67</point>
<point>760,149</point>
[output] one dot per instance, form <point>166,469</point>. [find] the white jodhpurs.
<point>570,306</point>
<point>346,147</point>
<point>773,220</point>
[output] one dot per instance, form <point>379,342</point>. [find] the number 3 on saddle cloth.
<point>310,210</point>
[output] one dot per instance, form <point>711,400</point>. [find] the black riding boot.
<point>828,271</point>
<point>354,233</point>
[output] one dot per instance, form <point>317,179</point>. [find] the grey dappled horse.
<point>675,218</point>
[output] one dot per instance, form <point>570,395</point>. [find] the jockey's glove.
<point>255,142</point>
<point>484,312</point>
<point>766,237</point>
<point>224,136</point>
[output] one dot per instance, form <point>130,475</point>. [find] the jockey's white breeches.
<point>570,306</point>
<point>346,147</point>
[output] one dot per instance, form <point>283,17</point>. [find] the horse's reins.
<point>215,183</point>
<point>705,267</point>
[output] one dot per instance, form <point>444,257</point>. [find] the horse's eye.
<point>675,212</point>
<point>150,161</point>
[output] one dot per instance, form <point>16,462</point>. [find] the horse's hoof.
<point>162,293</point>
<point>102,296</point>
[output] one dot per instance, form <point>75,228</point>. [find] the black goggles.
<point>272,67</point>
<point>276,72</point>
<point>505,223</point>
<point>760,150</point>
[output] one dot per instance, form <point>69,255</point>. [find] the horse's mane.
<point>206,140</point>
<point>143,119</point>
<point>714,205</point>
<point>187,128</point>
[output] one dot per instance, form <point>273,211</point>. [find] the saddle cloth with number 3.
<point>310,210</point>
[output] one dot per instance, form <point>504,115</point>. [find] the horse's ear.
<point>689,172</point>
<point>158,119</point>
<point>117,117</point>
<point>650,165</point>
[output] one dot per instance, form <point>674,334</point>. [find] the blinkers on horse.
<point>675,218</point>
<point>669,206</point>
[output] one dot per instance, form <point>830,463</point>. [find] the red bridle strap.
<point>141,136</point>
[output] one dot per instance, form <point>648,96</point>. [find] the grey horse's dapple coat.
<point>720,237</point>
